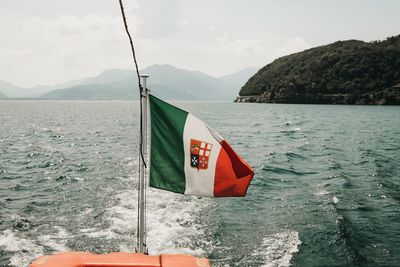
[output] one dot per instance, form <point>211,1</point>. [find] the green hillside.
<point>345,72</point>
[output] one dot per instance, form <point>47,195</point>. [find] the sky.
<point>46,42</point>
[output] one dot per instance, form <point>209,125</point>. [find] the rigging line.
<point>138,77</point>
<point>131,42</point>
<point>141,153</point>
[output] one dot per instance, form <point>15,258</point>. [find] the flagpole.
<point>141,227</point>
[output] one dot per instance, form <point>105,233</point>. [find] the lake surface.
<point>326,190</point>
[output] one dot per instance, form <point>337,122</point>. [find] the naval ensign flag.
<point>189,157</point>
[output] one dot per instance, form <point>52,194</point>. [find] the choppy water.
<point>326,190</point>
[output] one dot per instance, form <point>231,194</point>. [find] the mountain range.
<point>165,81</point>
<point>3,96</point>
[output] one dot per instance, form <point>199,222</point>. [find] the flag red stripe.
<point>232,173</point>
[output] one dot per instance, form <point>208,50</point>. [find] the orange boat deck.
<point>118,259</point>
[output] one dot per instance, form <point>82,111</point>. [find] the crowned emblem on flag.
<point>199,154</point>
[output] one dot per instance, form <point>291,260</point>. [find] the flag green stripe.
<point>167,152</point>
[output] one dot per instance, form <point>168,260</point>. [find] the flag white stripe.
<point>199,182</point>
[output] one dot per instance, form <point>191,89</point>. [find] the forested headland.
<point>345,72</point>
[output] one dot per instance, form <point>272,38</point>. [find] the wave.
<point>278,249</point>
<point>280,170</point>
<point>24,250</point>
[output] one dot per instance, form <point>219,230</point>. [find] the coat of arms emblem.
<point>199,154</point>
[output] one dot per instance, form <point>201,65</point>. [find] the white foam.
<point>174,222</point>
<point>123,215</point>
<point>56,241</point>
<point>171,221</point>
<point>24,250</point>
<point>53,243</point>
<point>278,249</point>
<point>322,192</point>
<point>335,200</point>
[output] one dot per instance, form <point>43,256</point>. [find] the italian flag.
<point>188,157</point>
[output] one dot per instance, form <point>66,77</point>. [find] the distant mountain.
<point>111,91</point>
<point>345,72</point>
<point>240,77</point>
<point>3,96</point>
<point>165,81</point>
<point>14,91</point>
<point>198,85</point>
<point>109,76</point>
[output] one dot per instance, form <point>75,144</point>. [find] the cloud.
<point>245,46</point>
<point>159,18</point>
<point>14,60</point>
<point>237,45</point>
<point>104,26</point>
<point>67,25</point>
<point>291,46</point>
<point>226,37</point>
<point>44,50</point>
<point>183,24</point>
<point>15,54</point>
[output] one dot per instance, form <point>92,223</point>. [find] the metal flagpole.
<point>141,223</point>
<point>141,228</point>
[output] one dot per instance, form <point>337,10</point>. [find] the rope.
<point>132,46</point>
<point>138,77</point>
<point>141,156</point>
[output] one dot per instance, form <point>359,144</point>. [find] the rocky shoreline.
<point>390,96</point>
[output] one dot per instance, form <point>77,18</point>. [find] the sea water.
<point>326,190</point>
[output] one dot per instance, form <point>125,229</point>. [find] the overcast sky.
<point>53,41</point>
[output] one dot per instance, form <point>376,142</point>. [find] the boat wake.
<point>173,222</point>
<point>25,250</point>
<point>278,249</point>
